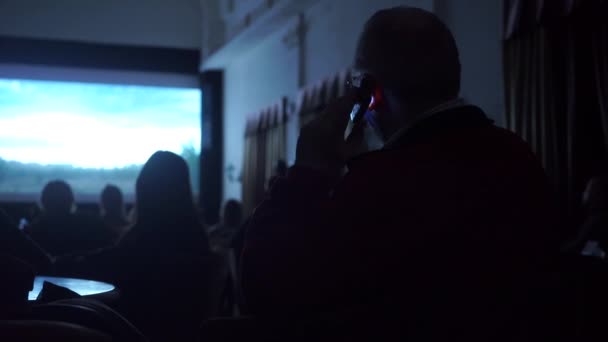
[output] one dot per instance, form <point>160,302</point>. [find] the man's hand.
<point>321,144</point>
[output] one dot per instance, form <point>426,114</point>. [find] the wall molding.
<point>32,51</point>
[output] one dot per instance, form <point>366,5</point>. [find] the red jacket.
<point>453,217</point>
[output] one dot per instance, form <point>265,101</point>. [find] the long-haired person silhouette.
<point>161,264</point>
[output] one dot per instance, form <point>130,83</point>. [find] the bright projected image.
<point>91,134</point>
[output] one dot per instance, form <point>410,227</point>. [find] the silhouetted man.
<point>113,212</point>
<point>434,236</point>
<point>60,231</point>
<point>14,243</point>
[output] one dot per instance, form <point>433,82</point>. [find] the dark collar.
<point>443,122</point>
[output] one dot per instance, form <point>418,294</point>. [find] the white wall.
<point>164,23</point>
<point>270,70</point>
<point>252,82</point>
<point>334,27</point>
<point>477,27</point>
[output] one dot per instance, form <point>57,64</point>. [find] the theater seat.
<point>45,331</point>
<point>217,272</point>
<point>90,314</point>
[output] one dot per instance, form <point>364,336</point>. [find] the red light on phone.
<point>372,103</point>
<point>376,100</point>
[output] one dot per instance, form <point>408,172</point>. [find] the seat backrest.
<point>17,280</point>
<point>217,273</point>
<point>90,314</point>
<point>44,331</point>
<point>173,295</point>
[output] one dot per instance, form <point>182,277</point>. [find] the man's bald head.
<point>411,52</point>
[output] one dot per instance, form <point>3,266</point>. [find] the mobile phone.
<point>363,89</point>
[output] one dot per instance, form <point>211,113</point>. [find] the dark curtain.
<point>250,165</point>
<point>539,104</point>
<point>265,145</point>
<point>210,172</point>
<point>312,100</point>
<point>311,103</point>
<point>259,181</point>
<point>276,138</point>
<point>599,47</point>
<point>555,66</point>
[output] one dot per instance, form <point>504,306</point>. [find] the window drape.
<point>599,45</point>
<point>266,134</point>
<point>276,138</point>
<point>539,104</point>
<point>556,79</point>
<point>250,166</point>
<point>313,99</point>
<point>265,145</point>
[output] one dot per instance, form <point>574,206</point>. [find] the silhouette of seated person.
<point>113,212</point>
<point>280,170</point>
<point>221,238</point>
<point>32,215</point>
<point>592,238</point>
<point>222,234</point>
<point>59,230</point>
<point>160,264</point>
<point>435,234</point>
<point>16,244</point>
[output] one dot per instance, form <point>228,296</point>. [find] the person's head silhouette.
<point>413,59</point>
<point>57,198</point>
<point>280,169</point>
<point>163,190</point>
<point>233,213</point>
<point>112,202</point>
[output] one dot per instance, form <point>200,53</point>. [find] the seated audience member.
<point>221,238</point>
<point>159,265</point>
<point>16,244</point>
<point>221,234</point>
<point>113,212</point>
<point>132,214</point>
<point>200,211</point>
<point>59,230</point>
<point>592,239</point>
<point>434,236</point>
<point>33,214</point>
<point>280,170</point>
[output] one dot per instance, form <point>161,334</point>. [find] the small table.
<point>81,286</point>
